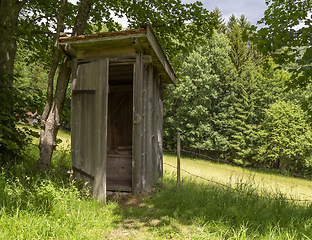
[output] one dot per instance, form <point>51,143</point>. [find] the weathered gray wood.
<point>144,177</point>
<point>114,53</point>
<point>154,124</point>
<point>122,62</point>
<point>137,46</point>
<point>137,125</point>
<point>119,168</point>
<point>74,115</point>
<point>119,186</point>
<point>147,59</point>
<point>117,108</point>
<point>160,53</point>
<point>160,162</point>
<point>110,41</point>
<point>101,127</point>
<point>148,42</point>
<point>149,125</point>
<point>74,73</point>
<point>120,119</point>
<point>87,91</point>
<point>71,50</point>
<point>122,148</point>
<point>159,113</point>
<point>83,124</point>
<point>89,115</point>
<point>75,121</point>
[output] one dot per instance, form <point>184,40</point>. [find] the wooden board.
<point>119,168</point>
<point>149,125</point>
<point>89,125</point>
<point>160,131</point>
<point>137,146</point>
<point>119,186</point>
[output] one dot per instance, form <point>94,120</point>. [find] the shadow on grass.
<point>212,209</point>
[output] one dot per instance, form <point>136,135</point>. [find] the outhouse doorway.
<point>120,128</point>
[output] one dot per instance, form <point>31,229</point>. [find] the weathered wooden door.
<point>89,124</point>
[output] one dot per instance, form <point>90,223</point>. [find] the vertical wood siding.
<point>137,142</point>
<point>147,134</point>
<point>89,125</point>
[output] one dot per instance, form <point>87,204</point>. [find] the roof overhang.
<point>121,46</point>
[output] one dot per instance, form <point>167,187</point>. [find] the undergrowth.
<point>51,207</point>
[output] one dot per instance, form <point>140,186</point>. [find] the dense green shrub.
<point>14,105</point>
<point>285,138</point>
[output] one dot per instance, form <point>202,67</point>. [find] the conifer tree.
<point>221,26</point>
<point>255,90</point>
<point>239,53</point>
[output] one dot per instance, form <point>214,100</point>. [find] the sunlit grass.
<point>63,137</point>
<point>51,207</point>
<point>275,182</point>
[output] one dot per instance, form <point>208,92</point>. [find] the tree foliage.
<point>285,138</point>
<point>201,104</point>
<point>286,36</point>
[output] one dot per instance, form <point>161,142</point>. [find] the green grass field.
<point>51,207</point>
<point>273,182</point>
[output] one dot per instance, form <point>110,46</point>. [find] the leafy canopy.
<point>287,37</point>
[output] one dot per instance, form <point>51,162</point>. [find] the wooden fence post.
<point>178,160</point>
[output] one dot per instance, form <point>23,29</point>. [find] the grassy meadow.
<point>52,207</point>
<point>291,187</point>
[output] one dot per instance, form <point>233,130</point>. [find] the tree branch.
<point>55,60</point>
<point>82,17</point>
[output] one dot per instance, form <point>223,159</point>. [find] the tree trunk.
<point>50,126</point>
<point>283,163</point>
<point>52,113</point>
<point>9,12</point>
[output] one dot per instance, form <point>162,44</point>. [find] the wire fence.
<point>219,160</point>
<point>238,190</point>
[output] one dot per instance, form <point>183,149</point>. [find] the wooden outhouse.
<point>117,108</point>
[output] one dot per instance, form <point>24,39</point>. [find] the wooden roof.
<point>123,44</point>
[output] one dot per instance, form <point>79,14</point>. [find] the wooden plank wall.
<point>81,139</point>
<point>89,125</point>
<point>159,119</point>
<point>147,137</point>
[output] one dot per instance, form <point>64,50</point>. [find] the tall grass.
<point>51,207</point>
<point>232,214</point>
